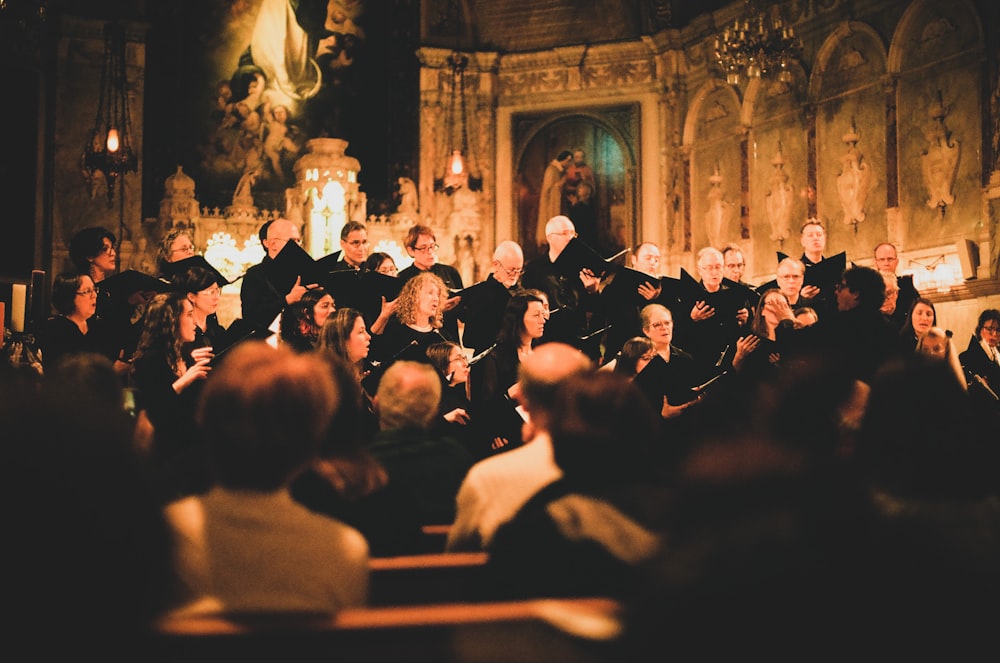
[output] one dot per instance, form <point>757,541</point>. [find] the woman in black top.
<point>76,328</point>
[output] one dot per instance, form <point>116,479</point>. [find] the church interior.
<point>882,122</point>
<point>711,124</point>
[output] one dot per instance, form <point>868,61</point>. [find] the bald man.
<point>261,300</point>
<point>483,304</point>
<point>570,298</point>
<point>497,487</point>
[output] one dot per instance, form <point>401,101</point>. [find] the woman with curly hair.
<point>302,320</point>
<point>418,322</point>
<point>167,389</point>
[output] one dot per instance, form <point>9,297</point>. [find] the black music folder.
<point>122,286</point>
<point>578,256</point>
<point>172,269</point>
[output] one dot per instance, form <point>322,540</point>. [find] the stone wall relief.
<point>779,200</point>
<point>939,162</point>
<point>720,213</point>
<point>854,180</point>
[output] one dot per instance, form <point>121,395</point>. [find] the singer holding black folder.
<point>483,304</point>
<point>494,390</point>
<point>263,294</point>
<point>628,291</point>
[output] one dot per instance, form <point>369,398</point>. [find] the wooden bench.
<point>421,579</point>
<point>550,630</point>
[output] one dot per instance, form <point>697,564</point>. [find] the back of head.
<point>264,413</point>
<point>408,396</point>
<point>542,372</point>
<point>868,284</point>
<point>602,429</point>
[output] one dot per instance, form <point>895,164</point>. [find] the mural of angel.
<point>940,161</point>
<point>854,180</point>
<point>778,201</point>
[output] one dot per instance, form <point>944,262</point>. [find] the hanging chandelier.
<point>456,147</point>
<point>758,43</point>
<point>109,145</point>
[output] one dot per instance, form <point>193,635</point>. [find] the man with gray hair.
<point>498,486</point>
<point>483,304</point>
<point>428,466</point>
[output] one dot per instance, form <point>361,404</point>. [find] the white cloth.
<point>264,552</point>
<point>496,488</point>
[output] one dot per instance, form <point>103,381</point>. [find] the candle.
<point>18,293</point>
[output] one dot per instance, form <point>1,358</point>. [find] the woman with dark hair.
<point>302,320</point>
<point>635,354</point>
<point>493,385</point>
<point>76,327</point>
<point>167,389</point>
<point>381,263</point>
<point>981,360</point>
<point>92,251</point>
<point>455,409</point>
<point>587,533</point>
<point>203,291</point>
<point>345,338</point>
<point>922,317</point>
<point>348,483</point>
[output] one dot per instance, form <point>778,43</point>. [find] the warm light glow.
<point>399,256</point>
<point>456,166</point>
<point>113,143</point>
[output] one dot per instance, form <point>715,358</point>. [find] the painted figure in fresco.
<point>854,181</point>
<point>550,197</point>
<point>277,139</point>
<point>778,201</point>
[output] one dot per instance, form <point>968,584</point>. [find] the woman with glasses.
<point>982,357</point>
<point>167,389</point>
<point>75,328</point>
<point>203,291</point>
<point>455,410</point>
<point>177,244</point>
<point>422,246</point>
<point>381,263</point>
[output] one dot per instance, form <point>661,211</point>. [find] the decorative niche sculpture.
<point>940,161</point>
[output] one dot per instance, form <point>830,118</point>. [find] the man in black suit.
<point>482,309</point>
<point>260,299</point>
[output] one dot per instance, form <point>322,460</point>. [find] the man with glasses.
<point>353,247</point>
<point>261,300</point>
<point>715,312</point>
<point>422,246</point>
<point>572,300</point>
<point>857,336</point>
<point>622,303</point>
<point>483,305</point>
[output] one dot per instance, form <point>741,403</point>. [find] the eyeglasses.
<point>426,249</point>
<point>711,268</point>
<point>184,249</point>
<point>108,249</point>
<point>511,272</point>
<point>992,330</point>
<point>87,292</point>
<point>566,233</point>
<point>462,359</point>
<point>661,324</point>
<point>357,242</point>
<point>211,292</point>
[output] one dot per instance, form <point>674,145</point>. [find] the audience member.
<point>425,464</point>
<point>495,488</point>
<point>587,532</point>
<point>246,545</point>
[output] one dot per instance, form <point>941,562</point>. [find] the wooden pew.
<point>422,579</point>
<point>546,630</point>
